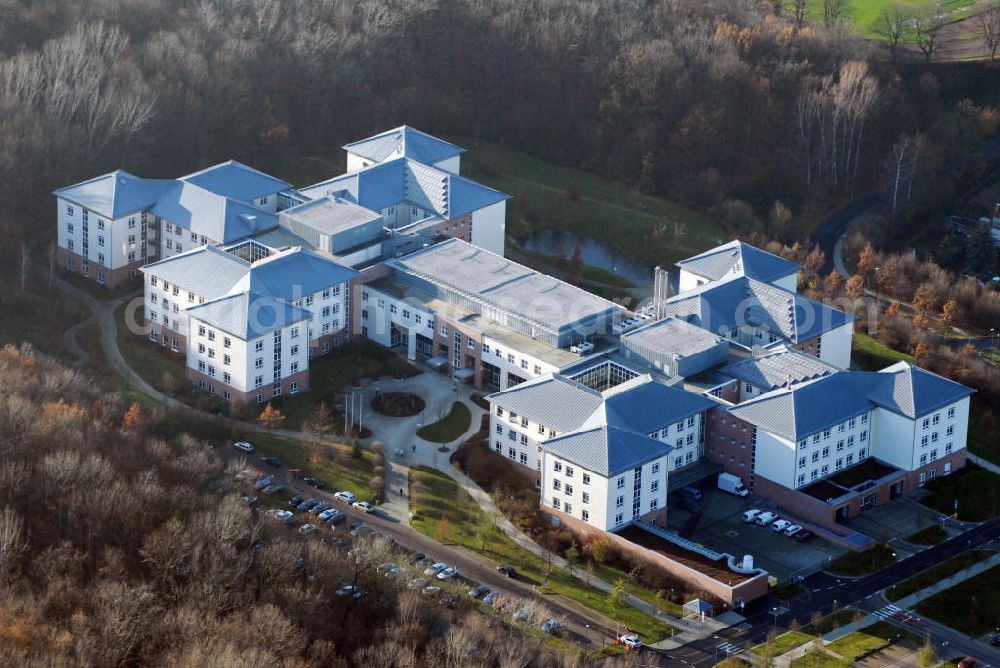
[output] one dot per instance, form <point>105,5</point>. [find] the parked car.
<point>262,483</point>
<point>434,569</point>
<point>995,639</point>
<point>523,614</point>
<point>363,506</point>
<point>273,489</point>
<point>432,591</point>
<point>307,504</point>
<point>629,642</point>
<point>249,500</point>
<point>690,492</point>
<point>507,570</point>
<point>284,516</point>
<point>320,507</point>
<point>479,592</point>
<point>327,514</point>
<point>493,598</point>
<point>386,567</point>
<point>780,525</point>
<point>345,497</point>
<point>349,590</point>
<point>296,500</point>
<point>765,518</point>
<point>271,460</point>
<point>243,445</point>
<point>295,473</point>
<point>307,528</point>
<point>551,626</point>
<point>967,662</point>
<point>792,529</point>
<point>360,530</point>
<point>802,536</point>
<point>416,583</point>
<point>336,518</point>
<point>417,556</point>
<point>751,515</point>
<point>447,573</point>
<point>318,483</point>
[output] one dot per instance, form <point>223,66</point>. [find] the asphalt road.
<point>827,590</point>
<point>836,224</point>
<point>574,618</point>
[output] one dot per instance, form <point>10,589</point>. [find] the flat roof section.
<point>869,469</point>
<point>717,570</point>
<point>330,215</point>
<point>673,335</point>
<point>824,490</point>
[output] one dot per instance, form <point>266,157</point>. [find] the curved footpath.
<point>393,432</point>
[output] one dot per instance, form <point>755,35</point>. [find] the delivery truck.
<point>732,484</point>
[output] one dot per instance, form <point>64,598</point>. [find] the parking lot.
<point>721,527</point>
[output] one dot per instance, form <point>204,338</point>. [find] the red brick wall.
<point>471,357</point>
<point>251,396</point>
<point>811,346</point>
<point>112,277</point>
<point>748,590</point>
<point>334,339</point>
<point>722,429</point>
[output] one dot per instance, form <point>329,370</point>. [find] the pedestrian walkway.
<point>985,463</point>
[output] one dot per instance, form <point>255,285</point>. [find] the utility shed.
<point>675,347</point>
<point>332,224</point>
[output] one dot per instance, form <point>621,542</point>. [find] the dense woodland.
<point>124,541</point>
<point>718,103</point>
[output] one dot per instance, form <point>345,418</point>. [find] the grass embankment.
<point>789,591</point>
<point>870,354</point>
<point>341,466</point>
<point>89,340</point>
<point>863,14</point>
<point>649,229</point>
<point>857,645</point>
<point>976,490</point>
<point>557,264</point>
<point>972,606</point>
<point>834,620</point>
<point>450,427</point>
<point>856,564</point>
<point>786,642</point>
<point>38,319</point>
<point>96,290</point>
<point>932,535</point>
<point>159,367</point>
<point>444,511</point>
<point>931,575</point>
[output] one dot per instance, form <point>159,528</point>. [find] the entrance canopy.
<point>464,374</point>
<point>697,608</point>
<point>437,362</point>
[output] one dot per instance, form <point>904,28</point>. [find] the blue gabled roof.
<point>406,142</point>
<point>116,194</point>
<point>376,187</point>
<point>724,305</point>
<point>293,275</point>
<point>606,450</point>
<point>651,405</point>
<point>467,196</point>
<point>236,180</point>
<point>738,259</point>
<point>248,315</point>
<point>915,392</point>
<point>216,217</point>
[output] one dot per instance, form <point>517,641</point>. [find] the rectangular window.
<point>618,518</point>
<point>294,368</point>
<point>619,502</point>
<point>569,490</point>
<point>586,478</point>
<point>294,332</point>
<point>258,363</point>
<point>556,484</point>
<point>586,497</point>
<point>585,515</point>
<point>951,412</point>
<point>556,503</point>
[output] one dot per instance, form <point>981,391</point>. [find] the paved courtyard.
<point>721,527</point>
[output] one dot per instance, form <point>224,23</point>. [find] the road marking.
<point>745,626</point>
<point>887,611</point>
<point>729,648</point>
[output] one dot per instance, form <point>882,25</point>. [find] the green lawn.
<point>935,574</point>
<point>932,535</point>
<point>330,375</point>
<point>862,563</point>
<point>786,642</point>
<point>89,339</point>
<point>830,622</point>
<point>872,355</point>
<point>972,607</point>
<point>338,465</point>
<point>38,319</point>
<point>97,291</point>
<point>450,427</point>
<point>976,490</point>
<point>864,13</point>
<point>464,523</point>
<point>650,229</point>
<point>158,367</point>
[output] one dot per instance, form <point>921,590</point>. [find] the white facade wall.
<point>329,308</point>
<point>175,240</point>
<point>518,437</point>
<point>686,437</point>
<point>489,227</point>
<point>512,361</point>
<point>835,346</point>
<point>356,162</point>
<point>910,444</point>
<point>251,360</point>
<point>112,243</point>
<point>379,311</point>
<point>689,281</point>
<point>823,454</point>
<point>166,304</point>
<point>775,458</point>
<point>610,501</point>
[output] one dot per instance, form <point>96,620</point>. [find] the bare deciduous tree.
<point>988,28</point>
<point>893,25</point>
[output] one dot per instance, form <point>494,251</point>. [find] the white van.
<point>750,515</point>
<point>765,518</point>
